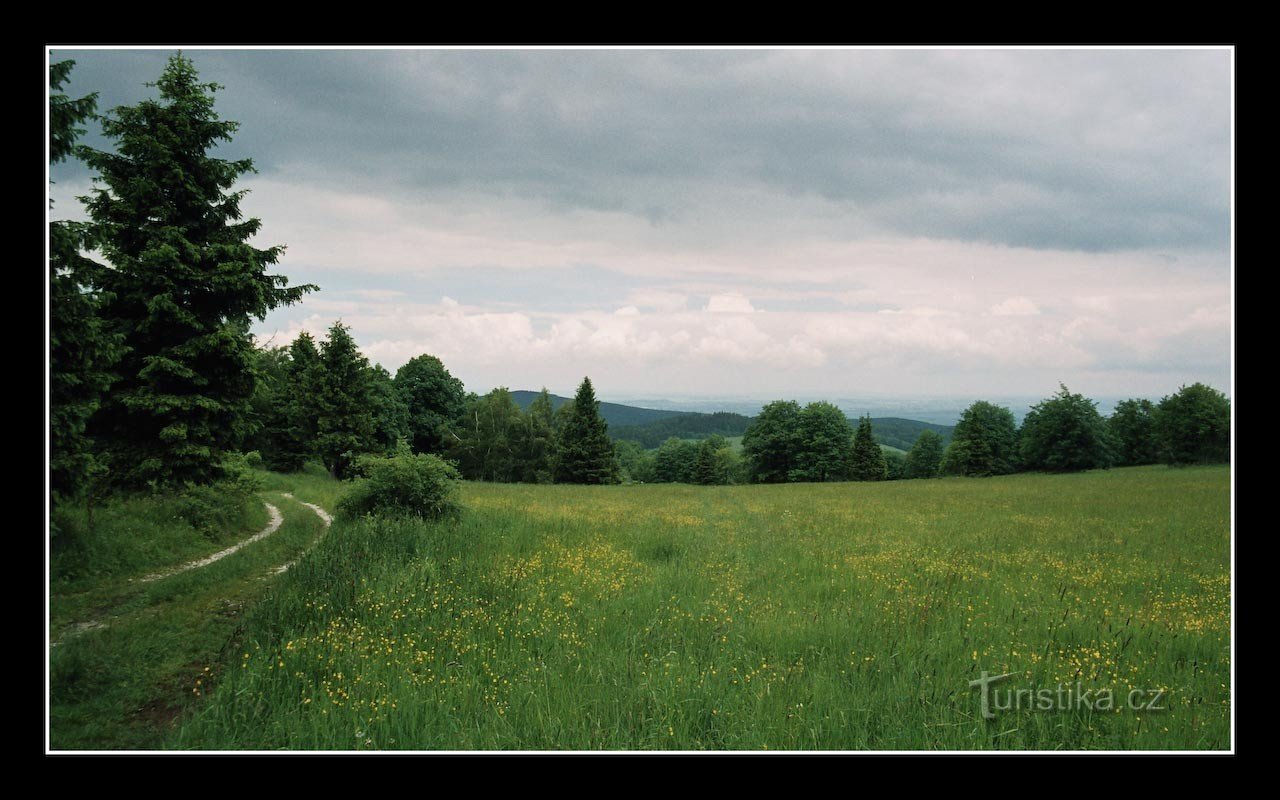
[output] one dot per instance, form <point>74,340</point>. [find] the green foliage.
<point>902,433</point>
<point>895,464</point>
<point>1194,426</point>
<point>434,399</point>
<point>924,458</point>
<point>183,285</point>
<point>488,438</point>
<point>1133,433</point>
<point>1064,433</point>
<point>773,441</point>
<point>683,425</point>
<point>389,409</point>
<point>585,453</point>
<point>538,441</point>
<point>82,348</point>
<point>984,442</point>
<point>868,459</point>
<point>403,484</point>
<point>674,461</point>
<point>345,426</point>
<point>636,463</point>
<point>823,445</point>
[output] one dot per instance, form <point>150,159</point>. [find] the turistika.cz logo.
<point>1063,697</point>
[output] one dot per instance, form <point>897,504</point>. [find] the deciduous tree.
<point>435,399</point>
<point>1194,426</point>
<point>773,441</point>
<point>1064,433</point>
<point>924,457</point>
<point>984,442</point>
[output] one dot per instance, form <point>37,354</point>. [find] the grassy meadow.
<point>834,616</point>
<point>154,646</point>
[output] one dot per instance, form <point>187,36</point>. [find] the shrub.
<point>403,484</point>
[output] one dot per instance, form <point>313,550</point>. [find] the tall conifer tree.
<point>183,284</point>
<point>586,454</point>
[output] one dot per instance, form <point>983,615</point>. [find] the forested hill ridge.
<point>651,427</point>
<point>614,413</point>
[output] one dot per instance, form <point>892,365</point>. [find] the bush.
<point>403,484</point>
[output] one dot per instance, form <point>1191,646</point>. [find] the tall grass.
<point>834,616</point>
<point>156,647</point>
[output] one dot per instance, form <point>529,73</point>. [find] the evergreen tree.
<point>183,284</point>
<point>82,349</point>
<point>772,443</point>
<point>1193,426</point>
<point>984,442</point>
<point>868,458</point>
<point>1064,433</point>
<point>1133,433</point>
<point>345,425</point>
<point>585,453</point>
<point>925,456</point>
<point>435,399</point>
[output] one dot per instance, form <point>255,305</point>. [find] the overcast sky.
<point>768,222</point>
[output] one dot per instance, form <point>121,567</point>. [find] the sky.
<point>770,223</point>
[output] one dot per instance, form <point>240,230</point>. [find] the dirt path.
<point>276,520</point>
<point>324,517</point>
<point>272,527</point>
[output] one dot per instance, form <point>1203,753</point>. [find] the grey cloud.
<point>1089,150</point>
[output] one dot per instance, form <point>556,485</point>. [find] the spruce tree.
<point>183,284</point>
<point>586,454</point>
<point>345,424</point>
<point>867,463</point>
<point>82,349</point>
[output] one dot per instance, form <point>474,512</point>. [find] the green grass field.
<point>835,616</point>
<point>125,685</point>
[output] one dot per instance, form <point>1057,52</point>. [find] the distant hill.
<point>651,426</point>
<point>902,433</point>
<point>684,425</point>
<point>614,413</point>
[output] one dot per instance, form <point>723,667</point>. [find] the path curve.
<point>272,527</point>
<point>324,517</point>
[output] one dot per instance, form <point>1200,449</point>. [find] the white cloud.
<point>729,304</point>
<point>1015,307</point>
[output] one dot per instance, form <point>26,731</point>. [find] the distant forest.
<point>650,427</point>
